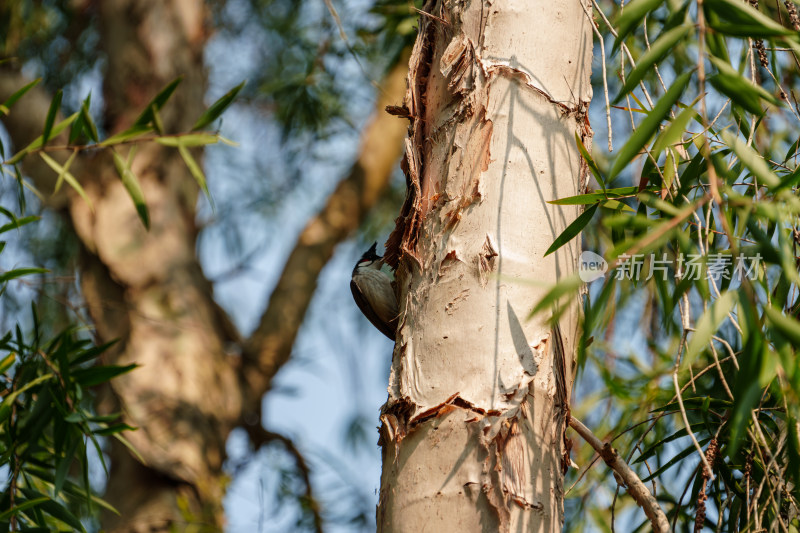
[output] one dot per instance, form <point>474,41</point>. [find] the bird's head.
<point>370,259</point>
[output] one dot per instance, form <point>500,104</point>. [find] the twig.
<point>605,80</point>
<point>689,427</point>
<point>636,488</point>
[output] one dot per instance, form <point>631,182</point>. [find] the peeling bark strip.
<point>473,432</point>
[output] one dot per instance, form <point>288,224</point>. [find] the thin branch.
<point>260,436</point>
<point>636,488</point>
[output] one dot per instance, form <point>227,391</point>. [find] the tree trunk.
<point>473,430</point>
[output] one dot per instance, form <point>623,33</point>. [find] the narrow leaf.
<point>20,272</point>
<point>630,17</point>
<point>190,141</point>
<point>6,106</point>
<point>66,175</point>
<point>649,125</point>
<point>134,189</point>
<point>156,103</point>
<point>751,160</point>
<point>37,143</point>
<point>195,169</point>
<point>732,17</point>
<point>55,105</point>
<point>657,52</point>
<point>572,230</point>
<point>217,108</point>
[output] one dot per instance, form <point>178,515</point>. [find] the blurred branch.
<point>635,487</point>
<point>270,346</point>
<point>260,436</point>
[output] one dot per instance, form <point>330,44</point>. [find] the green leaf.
<point>708,324</point>
<point>674,132</point>
<point>20,272</point>
<point>21,507</point>
<point>751,160</point>
<point>559,290</point>
<point>189,141</point>
<point>572,230</point>
<point>5,407</point>
<point>649,125</point>
<point>55,105</point>
<point>733,85</point>
<point>134,189</point>
<point>7,362</point>
<point>37,143</point>
<point>594,197</point>
<point>630,17</point>
<point>6,106</point>
<point>217,108</point>
<point>18,222</point>
<point>156,103</point>
<point>65,175</point>
<point>116,428</point>
<point>127,135</point>
<point>787,326</point>
<point>89,125</point>
<point>195,169</point>
<point>89,377</point>
<point>738,19</point>
<point>130,447</point>
<point>55,509</point>
<point>657,52</point>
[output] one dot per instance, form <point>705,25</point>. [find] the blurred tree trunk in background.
<point>473,431</point>
<point>197,379</point>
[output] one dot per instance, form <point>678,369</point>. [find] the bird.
<point>373,292</point>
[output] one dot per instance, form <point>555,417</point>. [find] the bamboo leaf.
<point>572,230</point>
<point>27,504</point>
<point>217,108</point>
<point>195,169</point>
<point>630,17</point>
<point>127,135</point>
<point>20,272</point>
<point>649,125</point>
<point>37,143</point>
<point>156,103</point>
<point>787,326</point>
<point>65,175</point>
<point>738,19</point>
<point>594,197</point>
<point>95,375</point>
<point>658,51</point>
<point>751,160</point>
<point>134,189</point>
<point>189,141</point>
<point>674,132</point>
<point>6,106</point>
<point>559,290</point>
<point>739,89</point>
<point>55,105</point>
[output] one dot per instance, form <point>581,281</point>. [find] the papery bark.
<point>473,430</point>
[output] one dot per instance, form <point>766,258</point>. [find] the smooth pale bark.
<point>473,430</point>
